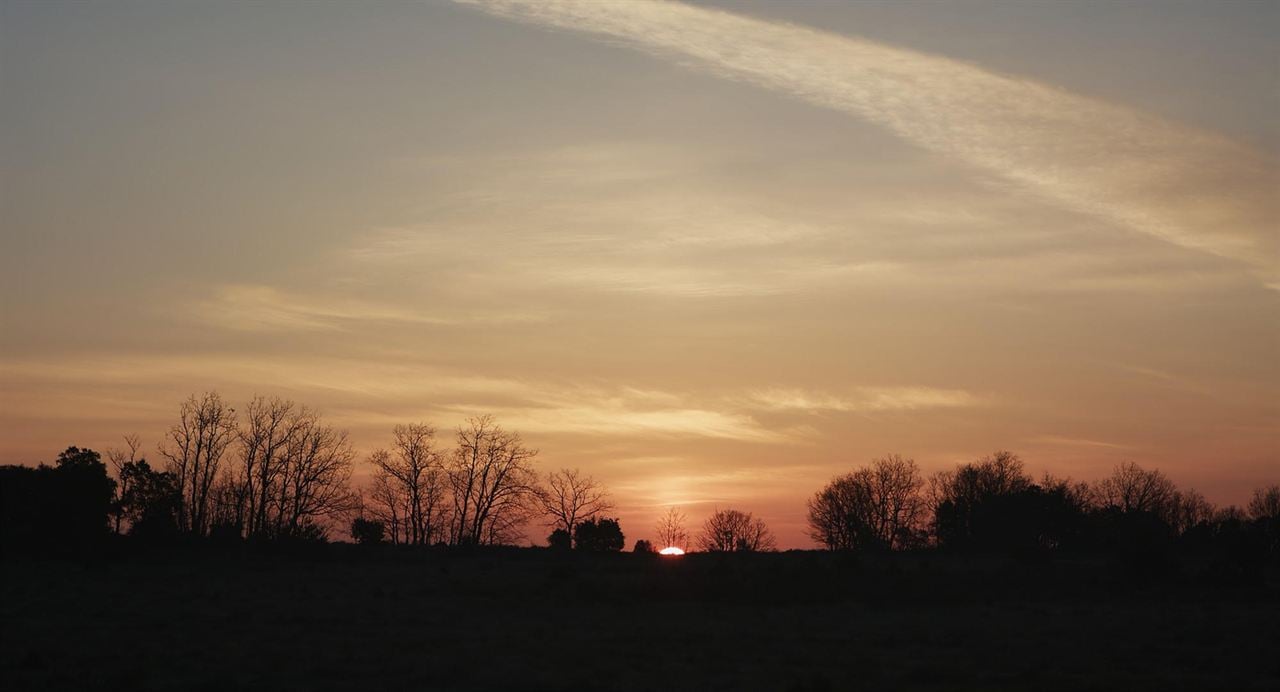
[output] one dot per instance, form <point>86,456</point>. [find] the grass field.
<point>342,618</point>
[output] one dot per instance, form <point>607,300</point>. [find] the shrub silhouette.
<point>560,540</point>
<point>151,501</point>
<point>598,536</point>
<point>58,507</point>
<point>368,531</point>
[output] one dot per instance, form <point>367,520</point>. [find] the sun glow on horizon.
<point>671,550</point>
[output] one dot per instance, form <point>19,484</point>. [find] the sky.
<point>711,253</point>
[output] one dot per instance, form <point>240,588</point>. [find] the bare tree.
<point>1265,503</point>
<point>315,480</point>
<point>568,497</point>
<point>145,501</point>
<point>1230,514</point>
<point>122,460</point>
<point>1188,509</point>
<point>877,506</point>
<point>671,529</point>
<point>493,482</point>
<point>409,486</point>
<point>840,514</point>
<point>194,448</point>
<point>962,499</point>
<point>386,500</point>
<point>1078,495</point>
<point>227,503</point>
<point>897,503</point>
<point>998,474</point>
<point>730,530</point>
<point>1130,488</point>
<point>269,427</point>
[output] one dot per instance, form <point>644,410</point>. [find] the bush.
<point>368,531</point>
<point>560,540</point>
<point>599,536</point>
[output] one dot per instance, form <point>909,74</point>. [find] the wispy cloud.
<point>265,308</point>
<point>1060,440</point>
<point>396,392</point>
<point>862,400</point>
<point>1191,188</point>
<point>597,417</point>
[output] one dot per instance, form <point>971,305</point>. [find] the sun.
<point>671,550</point>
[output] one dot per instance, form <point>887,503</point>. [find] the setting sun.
<point>671,551</point>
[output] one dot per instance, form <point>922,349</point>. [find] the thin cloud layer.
<point>265,308</point>
<point>863,400</point>
<point>402,392</point>
<point>1194,189</point>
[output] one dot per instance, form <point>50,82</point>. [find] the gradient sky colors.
<point>711,253</point>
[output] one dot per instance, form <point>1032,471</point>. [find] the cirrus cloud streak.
<point>1193,189</point>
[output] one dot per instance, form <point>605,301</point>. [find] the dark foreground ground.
<point>346,619</point>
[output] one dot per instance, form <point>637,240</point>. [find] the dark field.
<point>345,618</point>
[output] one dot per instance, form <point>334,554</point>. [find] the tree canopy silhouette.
<point>60,507</point>
<point>730,530</point>
<point>876,507</point>
<point>599,535</point>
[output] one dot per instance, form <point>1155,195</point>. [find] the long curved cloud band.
<point>1191,188</point>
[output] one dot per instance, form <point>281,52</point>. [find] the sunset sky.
<point>711,253</point>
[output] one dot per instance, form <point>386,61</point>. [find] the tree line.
<point>994,505</point>
<point>275,470</point>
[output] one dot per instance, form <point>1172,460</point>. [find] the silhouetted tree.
<point>671,529</point>
<point>880,506</point>
<point>731,530</point>
<point>227,506</point>
<point>644,546</point>
<point>1061,513</point>
<point>973,503</point>
<point>409,486</point>
<point>387,500</point>
<point>315,483</point>
<point>568,498</point>
<point>1264,510</point>
<point>1265,503</point>
<point>25,495</point>
<point>1137,517</point>
<point>598,536</point>
<point>367,531</point>
<point>270,424</point>
<point>839,515</point>
<point>1130,489</point>
<point>66,506</point>
<point>194,448</point>
<point>992,504</point>
<point>493,483</point>
<point>560,540</point>
<point>1187,510</point>
<point>118,459</point>
<point>152,501</point>
<point>1139,514</point>
<point>289,478</point>
<point>84,493</point>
